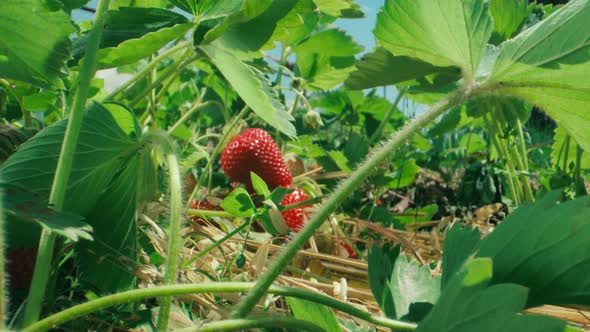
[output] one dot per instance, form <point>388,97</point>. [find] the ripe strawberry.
<point>255,151</point>
<point>295,217</point>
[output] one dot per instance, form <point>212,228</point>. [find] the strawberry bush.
<point>218,165</point>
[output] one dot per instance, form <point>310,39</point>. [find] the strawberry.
<point>255,151</point>
<point>295,217</point>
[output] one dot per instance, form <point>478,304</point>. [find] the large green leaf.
<point>468,304</point>
<point>441,32</point>
<point>412,283</point>
<point>318,314</point>
<point>381,261</point>
<point>325,59</point>
<point>458,246</point>
<point>113,216</point>
<point>130,23</point>
<point>382,68</point>
<point>247,38</point>
<point>35,41</point>
<point>509,17</point>
<point>133,50</point>
<point>252,87</point>
<point>549,65</point>
<point>296,25</point>
<point>544,247</point>
<point>107,172</point>
<point>248,10</point>
<point>23,205</point>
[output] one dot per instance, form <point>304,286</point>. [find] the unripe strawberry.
<point>255,151</point>
<point>295,218</point>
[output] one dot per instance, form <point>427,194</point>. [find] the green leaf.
<point>549,65</point>
<point>509,17</point>
<point>318,314</point>
<point>326,58</point>
<point>245,39</point>
<point>412,283</point>
<point>459,244</point>
<point>404,174</point>
<point>39,102</point>
<point>427,30</point>
<point>468,304</point>
<point>35,41</point>
<point>558,151</point>
<point>381,68</point>
<point>113,220</point>
<point>73,4</point>
<point>472,143</point>
<point>259,185</point>
<point>381,261</point>
<point>103,148</point>
<point>133,50</point>
<point>296,25</point>
<point>413,216</point>
<point>22,205</point>
<point>252,87</point>
<point>544,247</point>
<point>249,9</point>
<point>341,161</point>
<point>239,203</point>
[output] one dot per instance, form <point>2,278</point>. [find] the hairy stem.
<point>83,309</point>
<point>174,238</point>
<point>256,323</point>
<point>64,166</point>
<point>3,290</point>
<point>340,194</point>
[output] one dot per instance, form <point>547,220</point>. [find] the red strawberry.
<point>255,151</point>
<point>295,217</point>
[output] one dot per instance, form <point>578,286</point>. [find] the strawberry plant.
<point>217,165</point>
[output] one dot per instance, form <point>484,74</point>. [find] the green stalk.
<point>340,194</point>
<point>173,69</point>
<point>495,141</point>
<point>256,323</point>
<point>566,153</point>
<point>147,69</point>
<point>135,295</point>
<point>64,167</point>
<point>578,180</point>
<point>377,134</point>
<point>523,150</point>
<point>174,238</point>
<point>530,197</point>
<point>199,105</point>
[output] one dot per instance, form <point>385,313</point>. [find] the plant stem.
<point>173,69</point>
<point>256,323</point>
<point>566,153</point>
<point>530,197</point>
<point>339,195</point>
<point>147,69</point>
<point>523,150</point>
<point>578,180</point>
<point>174,238</point>
<point>377,134</point>
<point>101,303</point>
<point>196,107</point>
<point>64,167</point>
